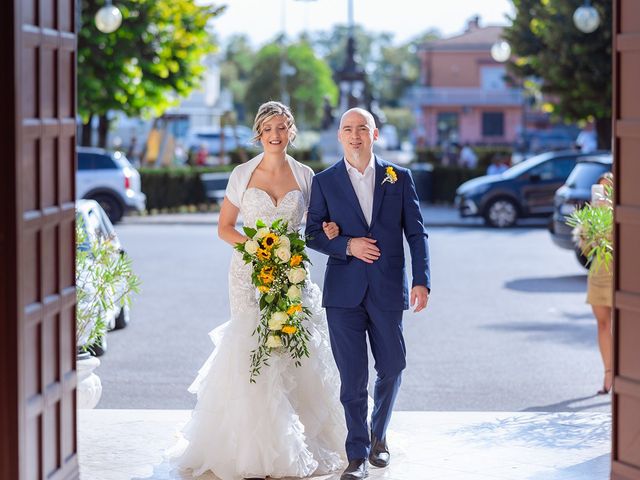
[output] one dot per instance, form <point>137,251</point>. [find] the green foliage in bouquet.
<point>278,260</point>
<point>593,229</point>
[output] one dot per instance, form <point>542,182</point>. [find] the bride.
<point>290,422</point>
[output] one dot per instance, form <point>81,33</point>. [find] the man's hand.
<point>419,298</point>
<point>331,229</point>
<point>365,249</point>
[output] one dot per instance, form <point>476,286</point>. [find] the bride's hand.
<point>331,229</point>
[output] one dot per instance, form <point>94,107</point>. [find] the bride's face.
<point>275,134</point>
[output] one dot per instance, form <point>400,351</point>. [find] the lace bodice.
<point>258,205</point>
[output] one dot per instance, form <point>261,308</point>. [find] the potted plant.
<point>104,282</point>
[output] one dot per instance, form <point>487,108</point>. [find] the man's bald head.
<point>361,111</point>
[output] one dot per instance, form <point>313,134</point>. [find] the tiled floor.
<point>130,445</point>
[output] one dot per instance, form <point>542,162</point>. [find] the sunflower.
<point>266,275</point>
<point>269,241</point>
<point>263,289</point>
<point>295,260</point>
<point>263,254</point>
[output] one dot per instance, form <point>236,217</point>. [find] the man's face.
<point>357,135</point>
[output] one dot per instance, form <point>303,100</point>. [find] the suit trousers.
<point>348,331</point>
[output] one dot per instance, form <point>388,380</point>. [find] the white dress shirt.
<point>363,185</point>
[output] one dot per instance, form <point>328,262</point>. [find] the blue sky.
<point>264,19</point>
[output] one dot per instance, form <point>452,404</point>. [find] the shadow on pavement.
<point>572,405</point>
<point>562,284</point>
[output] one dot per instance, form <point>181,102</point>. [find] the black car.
<point>573,195</point>
<point>524,190</point>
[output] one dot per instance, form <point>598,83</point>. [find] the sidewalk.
<point>434,216</point>
<point>130,445</point>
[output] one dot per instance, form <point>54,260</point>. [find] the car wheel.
<point>110,205</point>
<point>584,261</point>
<point>501,213</point>
<point>122,320</point>
<point>99,347</point>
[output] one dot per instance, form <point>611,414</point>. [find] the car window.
<point>544,171</point>
<point>95,161</point>
<point>586,174</point>
<point>93,223</point>
<point>562,166</point>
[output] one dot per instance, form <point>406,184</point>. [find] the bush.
<point>485,154</point>
<point>172,188</point>
<point>447,179</point>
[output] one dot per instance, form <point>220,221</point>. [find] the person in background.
<point>587,141</point>
<point>498,166</point>
<point>468,157</point>
<point>600,297</point>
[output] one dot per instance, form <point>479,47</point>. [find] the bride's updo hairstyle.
<point>266,112</point>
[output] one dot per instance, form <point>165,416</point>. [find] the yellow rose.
<point>295,260</point>
<point>293,309</point>
<point>289,329</point>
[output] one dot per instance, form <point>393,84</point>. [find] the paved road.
<point>507,328</point>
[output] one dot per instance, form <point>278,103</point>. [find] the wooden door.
<point>37,287</point>
<point>626,105</point>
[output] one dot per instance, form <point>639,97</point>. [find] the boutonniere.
<point>390,176</point>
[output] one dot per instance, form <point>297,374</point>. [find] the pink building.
<point>462,96</point>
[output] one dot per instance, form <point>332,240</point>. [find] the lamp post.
<point>586,18</point>
<point>109,18</point>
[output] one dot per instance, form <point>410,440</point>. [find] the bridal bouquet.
<point>278,262</point>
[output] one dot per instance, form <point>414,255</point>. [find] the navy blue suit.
<point>368,299</point>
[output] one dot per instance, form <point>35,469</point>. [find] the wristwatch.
<point>349,254</point>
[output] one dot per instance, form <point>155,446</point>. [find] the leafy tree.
<point>575,67</point>
<point>308,82</point>
<point>235,69</point>
<point>144,66</point>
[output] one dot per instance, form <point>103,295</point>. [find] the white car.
<point>96,226</point>
<point>109,179</point>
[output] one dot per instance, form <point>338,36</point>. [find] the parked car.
<point>524,190</point>
<point>210,139</point>
<point>573,195</point>
<point>96,225</point>
<point>109,179</point>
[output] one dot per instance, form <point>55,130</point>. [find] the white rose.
<point>277,320</point>
<point>251,246</point>
<point>261,233</point>
<point>296,275</point>
<point>274,341</point>
<point>294,293</point>
<point>283,253</point>
<point>284,242</point>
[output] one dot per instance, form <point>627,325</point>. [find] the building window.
<point>492,124</point>
<point>447,127</point>
<point>492,78</point>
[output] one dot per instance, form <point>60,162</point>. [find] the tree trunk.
<point>103,129</point>
<point>603,129</point>
<point>85,136</point>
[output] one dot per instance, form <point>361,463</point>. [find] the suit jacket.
<point>396,210</point>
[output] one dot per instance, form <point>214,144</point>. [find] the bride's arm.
<point>227,223</point>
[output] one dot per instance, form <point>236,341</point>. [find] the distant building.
<point>462,95</point>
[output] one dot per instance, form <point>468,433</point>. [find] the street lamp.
<point>586,18</point>
<point>501,51</point>
<point>109,18</point>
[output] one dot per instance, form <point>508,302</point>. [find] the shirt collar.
<point>370,165</point>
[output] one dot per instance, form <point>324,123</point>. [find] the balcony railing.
<point>463,96</point>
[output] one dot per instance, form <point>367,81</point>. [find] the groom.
<point>365,289</point>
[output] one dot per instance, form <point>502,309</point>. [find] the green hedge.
<point>172,187</point>
<point>485,154</point>
<point>446,180</point>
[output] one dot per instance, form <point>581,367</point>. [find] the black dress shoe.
<point>379,454</point>
<point>356,470</point>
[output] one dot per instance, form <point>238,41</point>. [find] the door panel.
<point>626,316</point>
<point>37,290</point>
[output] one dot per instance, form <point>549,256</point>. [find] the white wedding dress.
<point>290,423</point>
